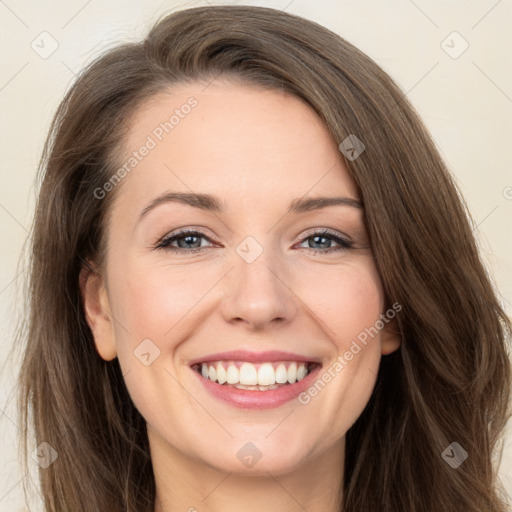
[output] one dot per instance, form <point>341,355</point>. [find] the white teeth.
<point>221,373</point>
<point>248,374</point>
<point>301,372</point>
<point>292,373</point>
<point>232,374</point>
<point>212,373</point>
<point>281,374</point>
<point>256,388</point>
<point>266,375</point>
<point>263,376</point>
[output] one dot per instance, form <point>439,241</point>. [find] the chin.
<point>253,459</point>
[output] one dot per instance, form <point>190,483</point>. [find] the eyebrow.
<point>211,203</point>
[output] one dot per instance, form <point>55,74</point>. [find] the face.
<point>253,275</point>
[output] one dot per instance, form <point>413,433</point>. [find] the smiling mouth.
<point>255,376</point>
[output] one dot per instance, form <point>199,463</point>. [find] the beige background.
<point>466,102</point>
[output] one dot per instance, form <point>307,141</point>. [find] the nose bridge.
<point>256,292</point>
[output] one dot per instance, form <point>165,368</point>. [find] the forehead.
<point>234,141</point>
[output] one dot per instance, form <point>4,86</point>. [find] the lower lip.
<point>252,399</point>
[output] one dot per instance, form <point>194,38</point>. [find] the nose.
<point>257,295</point>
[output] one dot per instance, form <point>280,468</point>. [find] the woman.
<point>254,286</point>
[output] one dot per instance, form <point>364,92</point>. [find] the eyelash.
<point>164,242</point>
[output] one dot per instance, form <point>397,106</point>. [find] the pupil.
<point>188,239</point>
<point>317,238</point>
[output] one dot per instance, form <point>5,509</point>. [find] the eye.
<point>320,242</point>
<point>187,241</point>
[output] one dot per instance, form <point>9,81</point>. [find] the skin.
<point>256,150</point>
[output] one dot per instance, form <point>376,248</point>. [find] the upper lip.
<point>255,357</point>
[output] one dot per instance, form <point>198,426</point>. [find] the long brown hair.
<point>449,381</point>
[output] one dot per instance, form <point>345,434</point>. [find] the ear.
<point>97,311</point>
<point>391,338</point>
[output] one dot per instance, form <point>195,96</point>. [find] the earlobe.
<point>97,311</point>
<point>391,338</point>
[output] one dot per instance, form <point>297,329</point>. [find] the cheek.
<point>151,300</point>
<point>161,303</point>
<point>349,303</point>
<point>348,299</point>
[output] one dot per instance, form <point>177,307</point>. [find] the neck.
<point>190,485</point>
